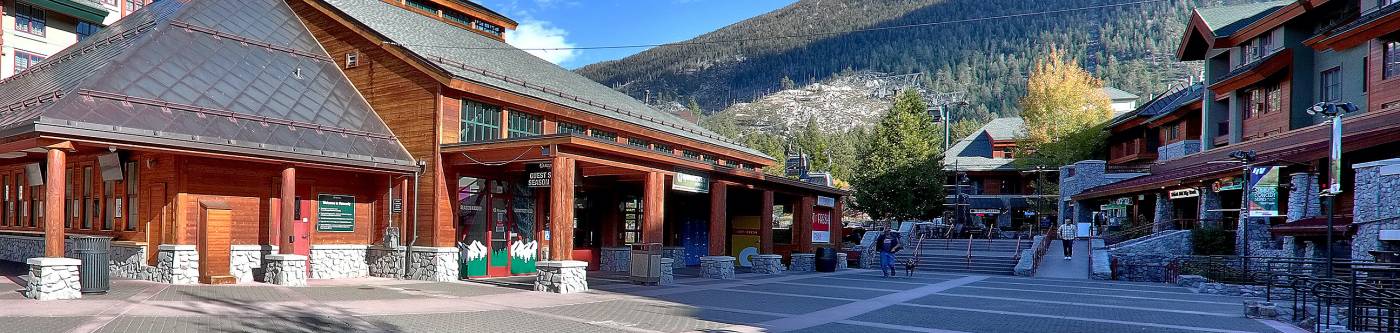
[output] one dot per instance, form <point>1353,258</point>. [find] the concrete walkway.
<point>1054,265</point>
<point>847,301</point>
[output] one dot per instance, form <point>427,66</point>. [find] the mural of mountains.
<point>1130,46</point>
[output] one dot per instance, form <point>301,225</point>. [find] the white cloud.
<point>542,35</point>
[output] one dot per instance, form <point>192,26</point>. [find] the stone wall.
<point>561,277</point>
<point>1081,176</point>
<point>1377,207</point>
<point>1027,264</point>
<point>615,259</point>
<point>1303,201</point>
<point>286,270</point>
<point>339,261</point>
<point>1178,150</point>
<point>246,261</point>
<point>1209,206</point>
<point>385,262</point>
<point>128,261</point>
<point>178,264</point>
<point>1162,214</point>
<point>1146,259</point>
<point>52,279</point>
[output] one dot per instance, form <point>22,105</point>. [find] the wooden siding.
<point>406,98</point>
<point>1380,91</point>
<point>1272,122</point>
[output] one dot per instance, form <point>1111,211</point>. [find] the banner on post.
<point>1263,191</point>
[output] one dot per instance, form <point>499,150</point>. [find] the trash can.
<point>826,259</point>
<point>646,263</point>
<point>95,254</point>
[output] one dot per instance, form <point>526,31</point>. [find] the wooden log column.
<point>765,223</point>
<point>654,208</point>
<point>802,216</point>
<point>561,209</point>
<point>719,217</point>
<point>56,162</point>
<point>286,224</point>
<point>838,232</point>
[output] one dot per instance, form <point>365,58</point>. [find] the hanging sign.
<point>828,202</point>
<point>1183,193</point>
<point>1227,184</point>
<point>986,211</point>
<point>539,174</point>
<point>396,206</point>
<point>335,213</point>
<point>1263,191</point>
<point>821,227</point>
<point>685,182</point>
<point>1334,163</point>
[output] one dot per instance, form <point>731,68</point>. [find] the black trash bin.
<point>826,259</point>
<point>94,252</point>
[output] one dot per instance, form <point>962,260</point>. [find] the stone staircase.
<point>996,257</point>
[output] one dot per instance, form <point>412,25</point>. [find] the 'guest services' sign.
<point>539,174</point>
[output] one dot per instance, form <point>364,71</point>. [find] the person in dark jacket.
<point>887,244</point>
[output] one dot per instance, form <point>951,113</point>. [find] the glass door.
<point>498,259</point>
<point>471,221</point>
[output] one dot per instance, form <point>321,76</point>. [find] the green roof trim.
<point>89,11</point>
<point>1227,20</point>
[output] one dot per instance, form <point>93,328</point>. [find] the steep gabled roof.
<point>1226,20</point>
<point>1116,94</point>
<point>974,153</point>
<point>242,77</point>
<point>480,59</point>
<point>1164,104</point>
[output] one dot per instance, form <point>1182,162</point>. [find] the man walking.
<point>887,244</point>
<point>1067,234</point>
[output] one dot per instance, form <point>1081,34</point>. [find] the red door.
<point>301,230</point>
<point>498,237</point>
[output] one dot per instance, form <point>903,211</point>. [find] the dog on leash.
<point>909,266</point>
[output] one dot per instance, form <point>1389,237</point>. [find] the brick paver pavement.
<point>847,301</point>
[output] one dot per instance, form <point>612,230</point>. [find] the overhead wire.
<point>792,36</point>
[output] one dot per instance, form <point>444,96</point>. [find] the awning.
<point>88,11</point>
<point>1316,226</point>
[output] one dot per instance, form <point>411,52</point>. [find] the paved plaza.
<point>846,301</point>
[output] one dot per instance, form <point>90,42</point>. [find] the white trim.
<point>43,261</point>
<point>252,247</point>
<point>1393,161</point>
<point>435,249</point>
<point>339,247</point>
<point>178,247</point>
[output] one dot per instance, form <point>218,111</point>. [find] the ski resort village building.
<point>1179,160</point>
<point>274,141</point>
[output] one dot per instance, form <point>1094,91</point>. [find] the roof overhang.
<point>1263,25</point>
<point>1196,41</point>
<point>1370,26</point>
<point>1254,73</point>
<point>79,9</point>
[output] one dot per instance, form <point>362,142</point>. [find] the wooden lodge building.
<point>235,141</point>
<point>1266,64</point>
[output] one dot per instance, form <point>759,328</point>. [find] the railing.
<point>969,250</point>
<point>1134,232</point>
<point>1363,296</point>
<point>1017,254</point>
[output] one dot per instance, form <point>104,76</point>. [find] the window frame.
<point>86,29</point>
<point>603,135</point>
<point>29,58</point>
<point>1330,84</point>
<point>132,183</point>
<point>489,123</point>
<point>1390,59</point>
<point>27,14</point>
<point>564,127</point>
<point>523,124</point>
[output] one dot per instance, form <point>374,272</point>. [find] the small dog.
<point>909,266</point>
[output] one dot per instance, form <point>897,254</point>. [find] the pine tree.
<point>900,174</point>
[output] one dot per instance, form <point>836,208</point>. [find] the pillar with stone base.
<point>53,279</point>
<point>717,267</point>
<point>767,263</point>
<point>285,270</point>
<point>804,262</point>
<point>561,277</point>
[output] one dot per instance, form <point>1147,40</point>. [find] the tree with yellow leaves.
<point>1064,109</point>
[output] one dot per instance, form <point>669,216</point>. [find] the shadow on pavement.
<point>263,317</point>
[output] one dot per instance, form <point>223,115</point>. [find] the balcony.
<point>1131,151</point>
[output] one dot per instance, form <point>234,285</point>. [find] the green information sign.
<point>335,213</point>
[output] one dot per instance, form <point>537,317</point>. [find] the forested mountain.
<point>1131,47</point>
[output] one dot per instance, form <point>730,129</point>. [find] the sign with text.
<point>1227,184</point>
<point>539,174</point>
<point>335,213</point>
<point>1183,193</point>
<point>1263,191</point>
<point>828,202</point>
<point>690,183</point>
<point>821,227</point>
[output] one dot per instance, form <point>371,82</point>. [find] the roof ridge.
<point>49,62</point>
<point>88,93</point>
<point>245,40</point>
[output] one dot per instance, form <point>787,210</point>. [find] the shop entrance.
<point>496,221</point>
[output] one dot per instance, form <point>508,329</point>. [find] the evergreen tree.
<point>900,174</point>
<point>695,108</point>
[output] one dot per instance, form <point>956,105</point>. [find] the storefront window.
<point>632,220</point>
<point>109,221</point>
<point>131,189</point>
<point>782,225</point>
<point>524,124</point>
<point>471,220</point>
<point>480,122</point>
<point>523,247</point>
<point>5,212</point>
<point>86,180</point>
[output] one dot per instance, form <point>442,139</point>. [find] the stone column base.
<point>674,252</point>
<point>868,258</point>
<point>615,259</point>
<point>841,261</point>
<point>286,270</point>
<point>385,262</point>
<point>434,264</point>
<point>178,264</point>
<point>561,277</point>
<point>53,279</point>
<point>668,273</point>
<point>767,264</point>
<point>803,262</point>
<point>717,267</point>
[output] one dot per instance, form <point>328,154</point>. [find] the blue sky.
<point>563,23</point>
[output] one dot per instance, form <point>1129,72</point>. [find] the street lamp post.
<point>1333,111</point>
<point>1246,159</point>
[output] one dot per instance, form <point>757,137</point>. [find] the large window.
<point>572,128</point>
<point>524,124</point>
<point>86,30</point>
<point>480,122</point>
<point>1390,60</point>
<point>423,5</point>
<point>632,219</point>
<point>1331,81</point>
<point>605,135</point>
<point>457,17</point>
<point>135,5</point>
<point>30,19</point>
<point>86,181</point>
<point>487,27</point>
<point>24,60</point>
<point>5,212</point>
<point>663,148</point>
<point>109,218</point>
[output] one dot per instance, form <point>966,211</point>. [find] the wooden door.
<point>155,202</point>
<point>215,239</point>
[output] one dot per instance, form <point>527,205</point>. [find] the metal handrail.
<point>969,250</point>
<point>1017,254</point>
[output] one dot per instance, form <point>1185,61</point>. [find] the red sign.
<point>821,226</point>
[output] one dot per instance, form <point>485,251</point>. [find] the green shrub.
<point>1211,241</point>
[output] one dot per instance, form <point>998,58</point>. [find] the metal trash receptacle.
<point>825,259</point>
<point>646,263</point>
<point>95,254</point>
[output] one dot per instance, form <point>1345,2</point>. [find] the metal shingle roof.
<point>974,153</point>
<point>471,56</point>
<point>1226,20</point>
<point>236,76</point>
